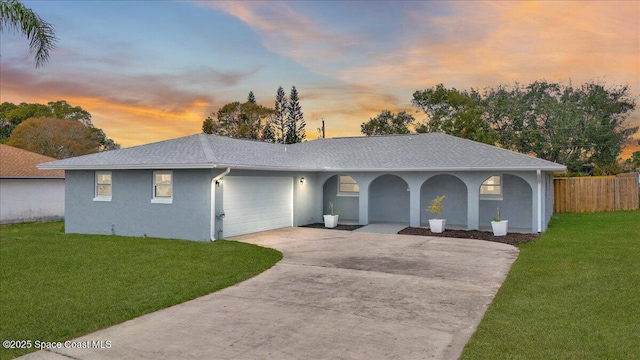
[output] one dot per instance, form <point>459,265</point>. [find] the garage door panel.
<point>245,205</point>
<point>253,204</point>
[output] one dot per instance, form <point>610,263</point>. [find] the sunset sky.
<point>154,70</point>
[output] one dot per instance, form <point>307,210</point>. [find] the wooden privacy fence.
<point>596,193</point>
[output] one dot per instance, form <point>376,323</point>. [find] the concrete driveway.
<point>335,295</point>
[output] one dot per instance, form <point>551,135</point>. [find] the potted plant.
<point>331,220</point>
<point>499,226</point>
<point>436,225</point>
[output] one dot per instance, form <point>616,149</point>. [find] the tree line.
<point>583,127</point>
<point>283,124</point>
<point>58,129</point>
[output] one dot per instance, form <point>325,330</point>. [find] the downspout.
<point>213,203</point>
<point>227,171</point>
<point>539,176</point>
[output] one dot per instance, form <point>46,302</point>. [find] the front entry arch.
<point>515,203</point>
<point>346,204</point>
<point>389,199</point>
<point>455,204</point>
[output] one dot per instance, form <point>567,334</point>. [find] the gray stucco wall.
<point>389,199</point>
<point>548,206</point>
<point>515,206</point>
<point>346,206</point>
<point>454,206</point>
<point>131,213</point>
<point>306,204</point>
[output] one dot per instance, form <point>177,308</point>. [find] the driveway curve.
<point>335,295</point>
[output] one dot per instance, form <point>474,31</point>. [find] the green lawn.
<point>56,286</point>
<point>573,294</point>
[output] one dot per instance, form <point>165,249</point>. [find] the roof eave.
<point>267,168</point>
<point>288,168</point>
<point>531,168</point>
<point>126,166</point>
<point>31,177</point>
<point>170,166</point>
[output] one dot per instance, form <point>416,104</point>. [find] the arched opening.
<point>343,192</point>
<point>454,207</point>
<point>513,195</point>
<point>389,199</point>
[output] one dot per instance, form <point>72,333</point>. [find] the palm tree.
<point>15,16</point>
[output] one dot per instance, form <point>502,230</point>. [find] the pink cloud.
<point>289,33</point>
<point>130,109</point>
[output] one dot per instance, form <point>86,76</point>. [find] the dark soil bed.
<point>339,227</point>
<point>510,238</point>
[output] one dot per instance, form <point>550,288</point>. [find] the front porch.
<point>403,198</point>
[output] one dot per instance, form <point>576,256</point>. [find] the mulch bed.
<point>339,227</point>
<point>510,238</point>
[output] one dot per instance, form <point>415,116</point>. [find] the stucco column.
<point>473,209</point>
<point>536,204</point>
<point>414,205</point>
<point>363,203</point>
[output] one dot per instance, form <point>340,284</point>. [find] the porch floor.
<point>383,228</point>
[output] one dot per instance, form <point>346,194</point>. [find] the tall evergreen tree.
<point>280,116</point>
<point>251,98</point>
<point>295,120</point>
<point>268,134</point>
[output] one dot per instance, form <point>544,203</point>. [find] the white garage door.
<point>253,204</point>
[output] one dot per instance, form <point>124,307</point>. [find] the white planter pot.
<point>331,221</point>
<point>499,227</point>
<point>437,225</point>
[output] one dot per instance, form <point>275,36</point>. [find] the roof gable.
<point>411,152</point>
<point>17,163</point>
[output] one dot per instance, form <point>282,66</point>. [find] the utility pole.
<point>321,129</point>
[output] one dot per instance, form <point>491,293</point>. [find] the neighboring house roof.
<point>412,152</point>
<point>22,164</point>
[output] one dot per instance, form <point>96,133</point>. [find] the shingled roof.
<point>22,164</point>
<point>412,152</point>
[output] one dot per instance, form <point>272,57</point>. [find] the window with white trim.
<point>491,189</point>
<point>347,186</point>
<point>162,187</point>
<point>103,186</point>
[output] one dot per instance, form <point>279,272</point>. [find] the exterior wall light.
<point>302,180</point>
